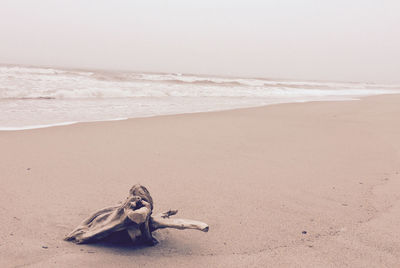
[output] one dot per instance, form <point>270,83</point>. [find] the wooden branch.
<point>168,213</point>
<point>132,217</point>
<point>162,220</point>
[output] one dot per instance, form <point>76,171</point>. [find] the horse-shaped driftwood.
<point>132,219</point>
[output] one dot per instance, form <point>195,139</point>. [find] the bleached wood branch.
<point>162,220</point>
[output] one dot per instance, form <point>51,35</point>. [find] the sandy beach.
<point>307,184</point>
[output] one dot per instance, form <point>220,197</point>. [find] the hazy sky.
<point>356,40</point>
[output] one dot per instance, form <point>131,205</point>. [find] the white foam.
<point>41,97</point>
<point>58,124</point>
<point>37,126</point>
<point>30,83</point>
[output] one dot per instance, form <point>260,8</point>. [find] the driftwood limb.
<point>132,219</point>
<point>163,221</point>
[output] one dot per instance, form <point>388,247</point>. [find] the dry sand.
<point>259,177</point>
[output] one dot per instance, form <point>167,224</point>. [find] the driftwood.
<point>132,219</point>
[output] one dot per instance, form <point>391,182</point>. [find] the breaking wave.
<point>18,82</point>
<point>34,97</point>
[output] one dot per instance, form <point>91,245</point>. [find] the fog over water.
<point>356,40</point>
<point>106,60</point>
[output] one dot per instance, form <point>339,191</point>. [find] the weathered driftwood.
<point>132,219</point>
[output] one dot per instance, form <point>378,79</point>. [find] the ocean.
<point>34,97</point>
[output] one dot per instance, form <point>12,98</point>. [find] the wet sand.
<point>307,184</point>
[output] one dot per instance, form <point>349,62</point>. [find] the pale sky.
<point>349,40</point>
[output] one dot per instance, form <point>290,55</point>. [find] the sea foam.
<point>33,96</point>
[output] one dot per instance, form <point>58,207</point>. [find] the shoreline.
<point>40,126</point>
<point>311,184</point>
